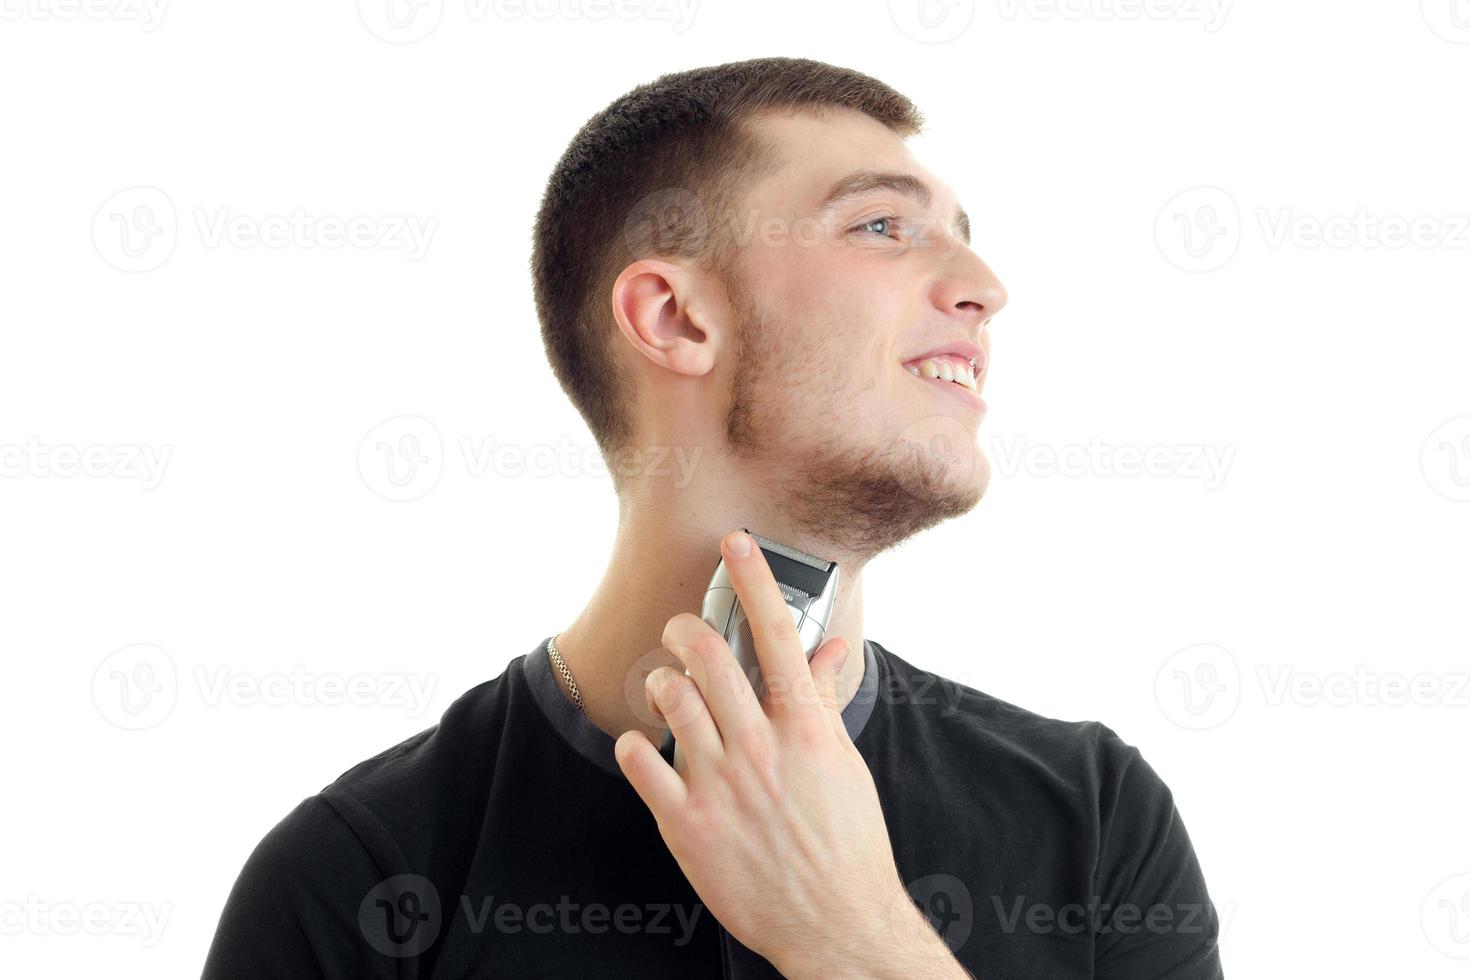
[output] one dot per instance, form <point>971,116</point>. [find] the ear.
<point>664,311</point>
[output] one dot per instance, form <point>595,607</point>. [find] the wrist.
<point>913,948</point>
<point>903,946</point>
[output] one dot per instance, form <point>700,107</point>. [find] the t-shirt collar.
<point>597,745</point>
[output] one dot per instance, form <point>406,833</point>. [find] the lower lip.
<point>970,398</point>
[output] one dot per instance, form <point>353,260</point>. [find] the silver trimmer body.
<point>807,583</point>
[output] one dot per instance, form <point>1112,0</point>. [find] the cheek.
<point>837,327</point>
<point>834,278</point>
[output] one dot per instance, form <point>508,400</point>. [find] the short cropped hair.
<point>656,173</point>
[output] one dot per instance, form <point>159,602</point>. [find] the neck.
<point>659,567</point>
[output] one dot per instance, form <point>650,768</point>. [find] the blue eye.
<point>889,221</point>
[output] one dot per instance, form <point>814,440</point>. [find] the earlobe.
<point>655,304</point>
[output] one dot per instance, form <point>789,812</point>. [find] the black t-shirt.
<point>505,842</point>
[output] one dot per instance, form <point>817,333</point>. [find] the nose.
<point>967,286</point>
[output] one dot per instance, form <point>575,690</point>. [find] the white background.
<point>1244,622</point>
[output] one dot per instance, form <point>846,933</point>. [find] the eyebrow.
<point>861,182</point>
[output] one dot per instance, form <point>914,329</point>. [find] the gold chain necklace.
<point>561,666</point>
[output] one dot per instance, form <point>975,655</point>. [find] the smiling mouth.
<point>949,368</point>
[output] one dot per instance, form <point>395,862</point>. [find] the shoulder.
<point>951,720</point>
<point>387,825</point>
<point>385,806</point>
<point>1071,796</point>
<point>440,770</point>
<point>1078,777</point>
<point>379,801</point>
<point>294,906</point>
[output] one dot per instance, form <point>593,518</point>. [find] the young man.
<point>743,265</point>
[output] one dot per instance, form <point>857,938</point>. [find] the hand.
<point>773,815</point>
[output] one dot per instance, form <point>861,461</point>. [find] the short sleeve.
<point>294,910</point>
<point>1155,917</point>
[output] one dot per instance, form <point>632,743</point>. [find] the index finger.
<point>777,642</point>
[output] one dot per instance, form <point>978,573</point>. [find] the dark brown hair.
<point>655,173</point>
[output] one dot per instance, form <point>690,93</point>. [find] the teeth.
<point>946,370</point>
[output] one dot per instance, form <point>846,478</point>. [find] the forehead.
<point>813,154</point>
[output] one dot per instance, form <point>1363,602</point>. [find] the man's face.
<point>836,302</point>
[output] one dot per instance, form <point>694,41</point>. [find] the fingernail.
<point>739,544</point>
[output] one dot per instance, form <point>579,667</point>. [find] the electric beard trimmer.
<point>807,583</point>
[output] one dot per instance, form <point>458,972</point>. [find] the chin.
<point>979,477</point>
<point>874,496</point>
<point>961,483</point>
<point>943,451</point>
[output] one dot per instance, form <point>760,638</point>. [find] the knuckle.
<point>682,702</point>
<point>759,752</point>
<point>783,631</point>
<point>676,628</point>
<point>655,682</point>
<point>811,729</point>
<point>709,644</point>
<point>709,654</point>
